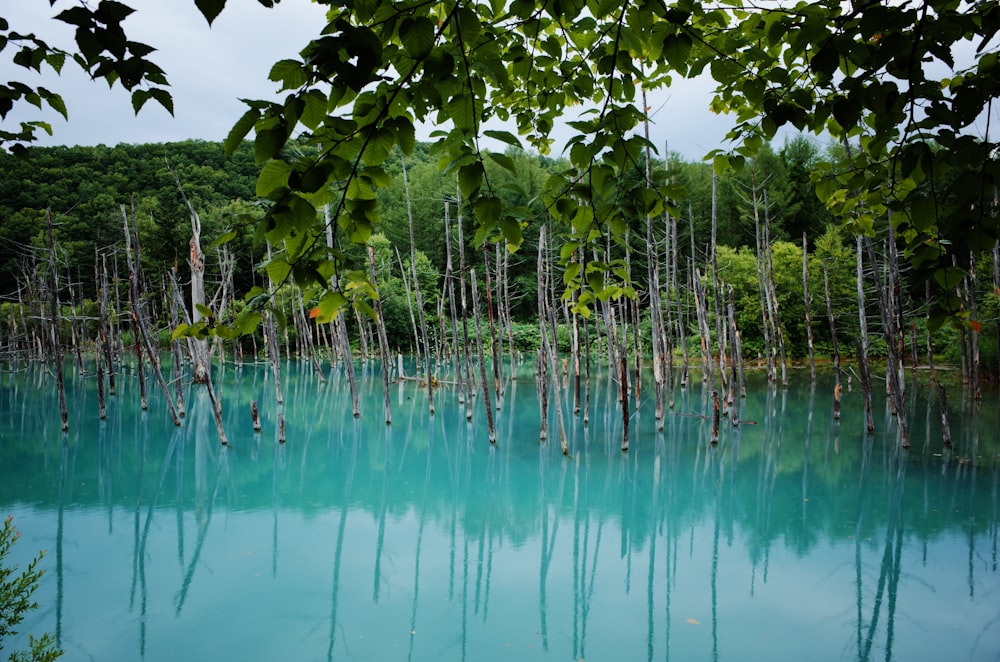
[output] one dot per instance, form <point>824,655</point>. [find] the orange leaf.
<point>314,313</point>
<point>976,326</point>
<point>692,621</point>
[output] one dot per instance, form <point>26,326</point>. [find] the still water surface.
<point>796,538</point>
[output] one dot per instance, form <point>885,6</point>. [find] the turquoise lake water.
<point>795,538</point>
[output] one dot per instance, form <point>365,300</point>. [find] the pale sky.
<point>210,69</point>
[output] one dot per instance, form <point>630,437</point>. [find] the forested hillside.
<point>86,187</point>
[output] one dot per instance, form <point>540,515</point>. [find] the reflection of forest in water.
<point>453,520</point>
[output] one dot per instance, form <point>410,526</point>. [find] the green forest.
<point>84,189</point>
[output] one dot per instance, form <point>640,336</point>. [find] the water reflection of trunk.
<point>383,512</point>
<point>139,563</point>
<point>889,571</point>
<point>650,601</point>
<point>767,477</point>
<point>204,496</point>
<point>279,467</point>
<point>858,531</point>
<point>583,587</point>
<point>138,551</point>
<point>339,549</point>
<point>63,471</point>
<point>420,540</point>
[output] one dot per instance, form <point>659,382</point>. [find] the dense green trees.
<point>903,83</point>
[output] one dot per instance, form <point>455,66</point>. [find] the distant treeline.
<point>85,187</point>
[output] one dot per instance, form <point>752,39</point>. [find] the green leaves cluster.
<point>16,589</point>
<point>900,84</point>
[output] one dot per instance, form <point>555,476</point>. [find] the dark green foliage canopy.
<point>902,85</point>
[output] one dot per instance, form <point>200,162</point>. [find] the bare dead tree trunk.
<point>807,304</point>
<point>772,296</point>
<point>977,387</point>
<point>715,418</point>
<point>175,348</point>
<point>945,426</point>
<point>466,352</point>
<point>487,405</point>
<point>833,341</point>
<point>996,288</point>
<point>57,352</point>
<point>383,341</point>
<point>420,300</point>
<point>495,342</point>
<point>196,260</point>
<point>547,353</point>
<point>862,348</point>
<point>340,327</point>
<point>894,369</point>
<point>717,288</point>
<point>139,323</point>
<point>736,383</point>
<point>704,332</point>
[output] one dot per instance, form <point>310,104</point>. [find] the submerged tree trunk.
<point>894,371</point>
<point>862,347</point>
<point>834,344</point>
<point>200,349</point>
<point>807,305</point>
<point>420,300</point>
<point>487,405</point>
<point>57,352</point>
<point>383,341</point>
<point>139,321</point>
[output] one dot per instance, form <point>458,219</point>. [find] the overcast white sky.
<point>210,69</point>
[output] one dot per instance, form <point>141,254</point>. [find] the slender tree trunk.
<point>495,342</point>
<point>139,323</point>
<point>175,348</point>
<point>833,341</point>
<point>863,345</point>
<point>469,379</point>
<point>57,352</point>
<point>772,293</point>
<point>808,305</point>
<point>340,327</point>
<point>945,426</point>
<point>196,261</point>
<point>383,341</point>
<point>420,300</point>
<point>487,405</point>
<point>449,279</point>
<point>736,382</point>
<point>977,388</point>
<point>894,370</point>
<point>996,289</point>
<point>549,350</point>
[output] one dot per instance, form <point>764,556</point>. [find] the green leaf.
<point>204,310</point>
<point>511,230</point>
<point>417,36</point>
<point>949,277</point>
<point>329,307</point>
<point>210,9</point>
<point>290,73</point>
<point>224,239</point>
<point>504,161</point>
<point>278,270</point>
<point>314,111</point>
<point>273,177</point>
<point>269,142</point>
<point>725,70</point>
<point>677,50</point>
<point>240,131</point>
<point>470,178</point>
<point>503,136</point>
<point>179,332</point>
